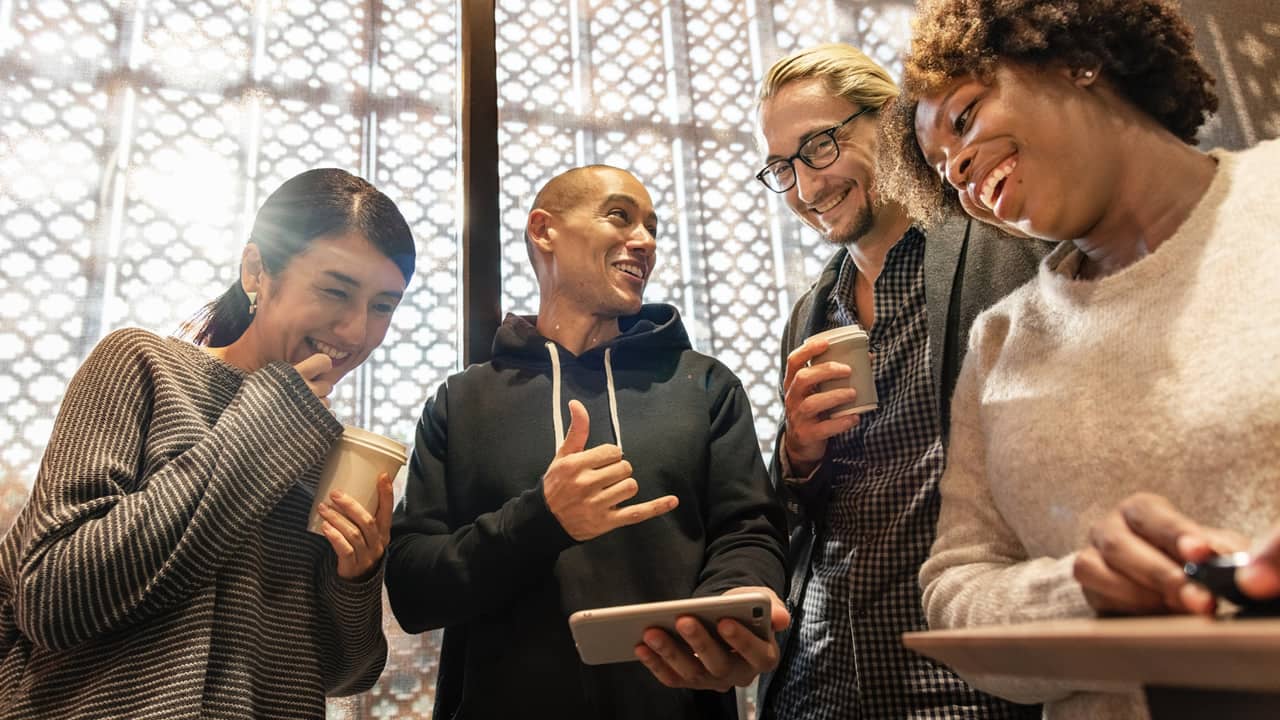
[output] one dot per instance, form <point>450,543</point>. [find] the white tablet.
<point>610,635</point>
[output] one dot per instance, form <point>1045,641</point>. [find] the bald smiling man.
<point>597,460</point>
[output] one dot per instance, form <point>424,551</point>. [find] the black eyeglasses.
<point>817,152</point>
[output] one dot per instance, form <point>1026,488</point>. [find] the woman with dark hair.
<point>1123,404</point>
<point>162,567</point>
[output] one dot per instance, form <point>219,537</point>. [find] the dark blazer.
<point>968,266</point>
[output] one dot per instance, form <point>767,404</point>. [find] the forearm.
<point>758,561</point>
<point>437,578</point>
<point>136,547</point>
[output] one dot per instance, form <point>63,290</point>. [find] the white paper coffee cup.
<point>848,345</point>
<point>353,466</point>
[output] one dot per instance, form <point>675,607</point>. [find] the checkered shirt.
<point>846,659</point>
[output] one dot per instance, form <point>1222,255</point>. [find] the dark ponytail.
<point>222,321</point>
<point>307,206</point>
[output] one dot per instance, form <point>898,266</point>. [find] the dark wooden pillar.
<point>482,222</point>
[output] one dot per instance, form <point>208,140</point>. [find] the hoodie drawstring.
<point>558,419</point>
<point>613,398</point>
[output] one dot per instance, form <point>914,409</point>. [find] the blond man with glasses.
<point>862,490</point>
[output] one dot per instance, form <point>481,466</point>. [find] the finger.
<point>344,523</point>
<point>1109,591</point>
<point>352,511</point>
<point>386,499</point>
<point>346,554</point>
<point>778,615</point>
<point>599,457</point>
<point>606,459</point>
<point>638,513</point>
<point>616,493</point>
<point>1259,579</point>
<point>657,667</point>
<point>1131,555</point>
<point>814,405</point>
<point>719,663</point>
<point>1156,520</point>
<point>1268,550</point>
<point>677,656</point>
<point>579,428</point>
<point>314,366</point>
<point>758,654</point>
<point>608,476</point>
<point>813,432</point>
<point>808,379</point>
<point>363,530</point>
<point>800,357</point>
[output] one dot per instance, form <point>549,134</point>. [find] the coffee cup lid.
<point>841,333</point>
<point>374,441</point>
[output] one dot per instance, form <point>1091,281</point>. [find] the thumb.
<point>575,440</point>
<point>314,366</point>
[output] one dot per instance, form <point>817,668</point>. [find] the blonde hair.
<point>845,70</point>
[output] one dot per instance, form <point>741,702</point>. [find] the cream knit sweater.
<point>1074,394</point>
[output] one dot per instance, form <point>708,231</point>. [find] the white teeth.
<point>631,269</point>
<point>987,196</point>
<point>830,203</point>
<point>331,351</point>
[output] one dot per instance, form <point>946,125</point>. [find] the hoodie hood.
<point>655,327</point>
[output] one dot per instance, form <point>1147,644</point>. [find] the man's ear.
<point>251,268</point>
<point>539,231</point>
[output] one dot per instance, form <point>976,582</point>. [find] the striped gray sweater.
<point>162,568</point>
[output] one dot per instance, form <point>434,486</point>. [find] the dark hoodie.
<point>475,550</point>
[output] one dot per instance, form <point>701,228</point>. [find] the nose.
<point>351,326</point>
<point>808,182</point>
<point>958,167</point>
<point>643,240</point>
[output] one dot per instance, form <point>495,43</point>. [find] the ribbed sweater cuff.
<point>311,413</point>
<point>354,600</point>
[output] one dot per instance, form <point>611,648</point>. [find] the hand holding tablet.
<point>610,635</point>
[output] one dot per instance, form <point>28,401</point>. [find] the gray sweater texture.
<point>162,568</point>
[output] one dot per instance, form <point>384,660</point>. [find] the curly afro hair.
<point>1144,47</point>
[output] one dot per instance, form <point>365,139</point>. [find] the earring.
<point>1088,74</point>
<point>253,302</point>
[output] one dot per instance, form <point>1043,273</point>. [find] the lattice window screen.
<point>137,138</point>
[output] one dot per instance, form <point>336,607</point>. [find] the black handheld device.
<point>1218,574</point>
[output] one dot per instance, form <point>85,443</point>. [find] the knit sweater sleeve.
<point>443,572</point>
<point>979,573</point>
<point>353,640</point>
<point>114,540</point>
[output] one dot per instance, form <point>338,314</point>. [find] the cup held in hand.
<point>848,345</point>
<point>353,466</point>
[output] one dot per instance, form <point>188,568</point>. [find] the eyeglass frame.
<point>799,153</point>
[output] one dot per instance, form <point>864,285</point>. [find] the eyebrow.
<point>348,280</point>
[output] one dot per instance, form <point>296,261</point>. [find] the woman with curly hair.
<point>1132,380</point>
